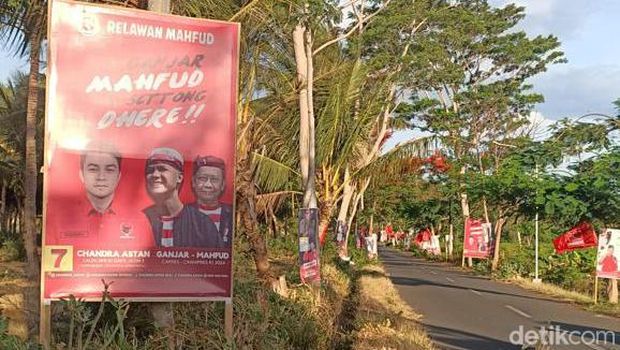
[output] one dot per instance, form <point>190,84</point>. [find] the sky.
<point>588,83</point>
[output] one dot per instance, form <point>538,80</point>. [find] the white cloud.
<point>540,126</point>
<point>559,17</point>
<point>402,136</point>
<point>574,91</point>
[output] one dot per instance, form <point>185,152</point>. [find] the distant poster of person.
<point>434,246</point>
<point>608,254</point>
<point>139,154</point>
<point>309,265</point>
<point>478,239</point>
<point>428,242</point>
<point>341,232</point>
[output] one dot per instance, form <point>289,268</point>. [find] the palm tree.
<point>23,25</point>
<point>22,28</point>
<point>12,144</point>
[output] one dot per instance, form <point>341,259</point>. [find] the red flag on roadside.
<point>579,237</point>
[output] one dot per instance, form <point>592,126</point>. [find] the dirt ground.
<point>12,286</point>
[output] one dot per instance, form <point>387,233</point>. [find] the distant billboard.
<point>478,239</point>
<point>608,254</point>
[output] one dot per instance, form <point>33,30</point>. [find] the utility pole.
<point>536,278</point>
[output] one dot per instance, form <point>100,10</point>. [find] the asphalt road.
<point>462,311</point>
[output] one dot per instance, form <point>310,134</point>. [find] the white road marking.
<point>476,292</point>
<point>592,346</point>
<point>450,279</point>
<point>433,272</point>
<point>514,309</point>
<point>603,316</point>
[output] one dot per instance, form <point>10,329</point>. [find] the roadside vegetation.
<point>384,320</point>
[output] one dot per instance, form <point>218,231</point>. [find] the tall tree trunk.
<point>484,198</point>
<point>311,185</point>
<point>372,218</point>
<point>273,221</point>
<point>356,203</point>
<point>30,171</point>
<point>3,216</point>
<point>465,210</point>
<point>246,193</point>
<point>613,291</point>
<point>303,63</point>
<point>347,196</point>
<point>450,242</point>
<point>31,297</point>
<point>246,215</point>
<point>499,227</point>
<point>325,211</point>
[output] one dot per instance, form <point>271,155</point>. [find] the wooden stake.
<point>595,290</point>
<point>45,324</point>
<point>228,320</point>
<point>613,291</point>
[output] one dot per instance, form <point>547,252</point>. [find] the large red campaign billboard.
<point>478,239</point>
<point>139,154</point>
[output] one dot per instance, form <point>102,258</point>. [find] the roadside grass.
<point>550,289</point>
<point>584,300</point>
<point>262,319</point>
<point>384,320</point>
<point>12,285</point>
<point>358,309</point>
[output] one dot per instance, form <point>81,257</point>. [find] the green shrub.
<point>12,250</point>
<point>571,270</point>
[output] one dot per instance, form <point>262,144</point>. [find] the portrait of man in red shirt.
<point>609,263</point>
<point>95,220</point>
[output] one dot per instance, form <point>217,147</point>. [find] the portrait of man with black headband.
<point>208,184</point>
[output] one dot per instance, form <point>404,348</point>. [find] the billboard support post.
<point>45,323</point>
<point>595,290</point>
<point>228,320</point>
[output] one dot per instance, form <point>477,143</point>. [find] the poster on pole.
<point>309,264</point>
<point>608,254</point>
<point>139,154</point>
<point>478,239</point>
<point>428,242</point>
